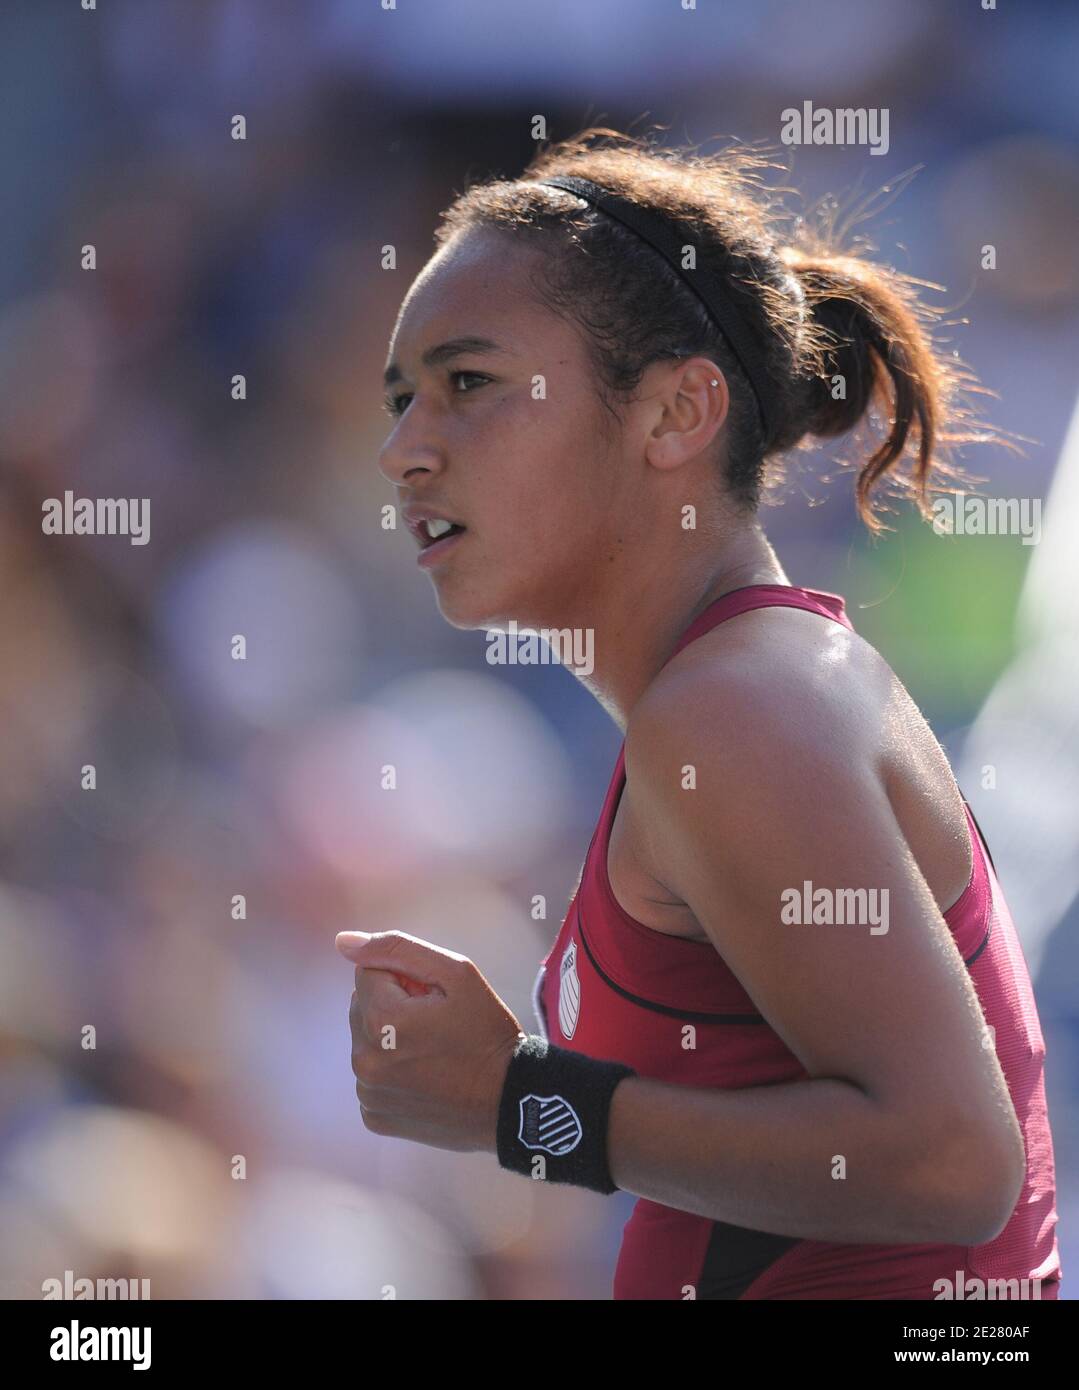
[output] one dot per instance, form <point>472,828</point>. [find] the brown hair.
<point>817,313</point>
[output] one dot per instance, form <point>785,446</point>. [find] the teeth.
<point>438,527</point>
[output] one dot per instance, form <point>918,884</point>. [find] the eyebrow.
<point>442,352</point>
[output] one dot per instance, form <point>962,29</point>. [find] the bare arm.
<point>905,1131</point>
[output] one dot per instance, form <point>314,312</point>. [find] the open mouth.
<point>432,548</point>
<point>432,532</point>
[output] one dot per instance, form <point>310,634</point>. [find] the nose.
<point>412,447</point>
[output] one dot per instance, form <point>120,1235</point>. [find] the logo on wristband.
<point>549,1123</point>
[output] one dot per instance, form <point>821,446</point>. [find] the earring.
<point>714,381</point>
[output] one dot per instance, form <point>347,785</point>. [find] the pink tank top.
<point>613,988</point>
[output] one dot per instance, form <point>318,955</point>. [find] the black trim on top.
<point>981,833</point>
<point>969,960</point>
<point>736,1257</point>
<point>691,1017</point>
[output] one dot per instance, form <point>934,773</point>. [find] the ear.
<point>693,402</point>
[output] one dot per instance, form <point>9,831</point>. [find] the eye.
<point>395,406</point>
<point>476,376</point>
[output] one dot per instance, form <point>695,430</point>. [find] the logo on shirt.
<point>569,991</point>
<point>549,1123</point>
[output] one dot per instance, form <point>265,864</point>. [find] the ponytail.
<point>874,354</point>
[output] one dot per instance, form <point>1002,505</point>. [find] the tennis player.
<point>787,1008</point>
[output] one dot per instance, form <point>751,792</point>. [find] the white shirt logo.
<point>569,992</point>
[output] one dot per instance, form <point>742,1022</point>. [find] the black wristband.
<point>556,1103</point>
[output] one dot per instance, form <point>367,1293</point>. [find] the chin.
<point>463,611</point>
<point>472,611</point>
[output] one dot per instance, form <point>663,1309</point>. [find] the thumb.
<point>349,942</point>
<point>400,952</point>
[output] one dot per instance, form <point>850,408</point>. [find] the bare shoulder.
<point>780,717</point>
<point>764,684</point>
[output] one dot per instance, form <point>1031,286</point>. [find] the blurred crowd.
<point>176,1100</point>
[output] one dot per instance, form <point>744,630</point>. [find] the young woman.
<point>787,1007</point>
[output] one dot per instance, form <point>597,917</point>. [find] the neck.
<point>640,620</point>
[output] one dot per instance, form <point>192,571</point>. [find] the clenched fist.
<point>431,1042</point>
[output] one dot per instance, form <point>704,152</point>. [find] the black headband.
<point>654,228</point>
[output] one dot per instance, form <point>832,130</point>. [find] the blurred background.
<point>220,1036</point>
